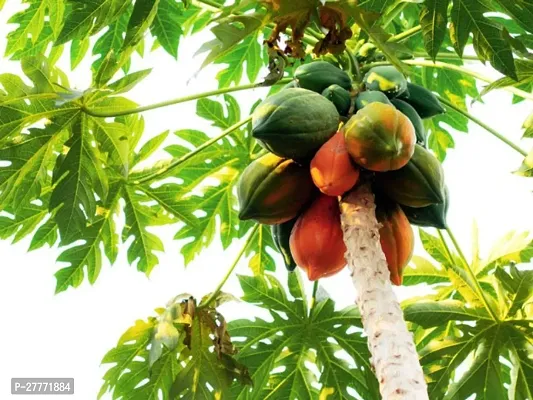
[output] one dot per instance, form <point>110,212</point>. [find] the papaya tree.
<point>339,164</point>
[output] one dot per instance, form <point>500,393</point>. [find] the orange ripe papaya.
<point>332,169</point>
<point>316,241</point>
<point>396,237</point>
<point>380,138</point>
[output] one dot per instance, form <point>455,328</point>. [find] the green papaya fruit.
<point>420,183</point>
<point>386,79</point>
<point>410,112</point>
<point>339,97</point>
<point>425,103</point>
<point>273,190</point>
<point>318,75</point>
<point>370,96</point>
<point>433,215</point>
<point>294,123</point>
<point>281,234</point>
<point>291,84</point>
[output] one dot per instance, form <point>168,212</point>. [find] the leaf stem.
<point>452,67</point>
<point>471,274</point>
<point>483,125</point>
<point>217,290</point>
<point>355,65</point>
<point>171,102</point>
<point>405,34</point>
<point>191,154</point>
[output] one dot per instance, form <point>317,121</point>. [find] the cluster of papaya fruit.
<point>323,135</point>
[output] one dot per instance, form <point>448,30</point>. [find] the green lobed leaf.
<point>78,50</point>
<point>466,18</point>
<point>111,41</point>
<point>87,17</point>
<point>434,313</point>
<point>421,270</point>
<point>86,258</point>
<point>166,26</point>
<point>521,351</point>
<point>434,19</point>
<point>79,176</point>
<point>292,339</point>
<point>144,12</point>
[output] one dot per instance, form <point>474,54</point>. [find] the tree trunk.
<point>394,357</point>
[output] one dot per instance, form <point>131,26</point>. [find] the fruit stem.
<point>171,102</point>
<point>469,271</point>
<point>394,358</point>
<point>217,290</point>
<point>483,125</point>
<point>313,296</point>
<point>187,156</point>
<point>405,34</point>
<point>446,56</point>
<point>458,68</point>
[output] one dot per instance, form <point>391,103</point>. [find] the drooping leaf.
<point>434,19</point>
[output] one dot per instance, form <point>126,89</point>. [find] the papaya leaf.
<point>144,12</point>
<point>182,352</point>
<point>123,378</point>
<point>513,247</point>
<point>528,126</point>
<point>524,71</point>
<point>138,218</point>
<point>521,351</point>
<point>484,377</point>
<point>150,147</point>
<point>521,12</point>
<point>29,158</point>
<point>166,26</point>
<point>14,98</point>
<point>86,18</point>
<point>433,313</point>
<point>296,336</point>
<point>24,222</point>
<point>421,270</point>
<point>434,19</point>
<point>86,259</point>
<point>467,18</point>
<point>78,50</point>
<point>261,240</point>
<point>519,287</point>
<point>111,41</point>
<point>231,46</point>
<point>46,234</point>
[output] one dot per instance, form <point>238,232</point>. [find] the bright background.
<point>45,335</point>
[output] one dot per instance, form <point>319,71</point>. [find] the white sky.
<point>67,335</point>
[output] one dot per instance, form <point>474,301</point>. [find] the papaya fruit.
<point>294,123</point>
<point>433,215</point>
<point>379,137</point>
<point>316,241</point>
<point>273,190</point>
<point>340,98</point>
<point>420,183</point>
<point>396,237</point>
<point>332,169</point>
<point>386,79</point>
<point>370,96</point>
<point>410,112</point>
<point>281,234</point>
<point>291,84</point>
<point>318,75</point>
<point>425,103</point>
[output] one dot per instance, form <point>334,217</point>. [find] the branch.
<point>394,356</point>
<point>471,274</point>
<point>215,293</point>
<point>187,156</point>
<point>483,125</point>
<point>458,68</point>
<point>184,99</point>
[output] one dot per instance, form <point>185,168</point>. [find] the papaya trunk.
<point>393,352</point>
